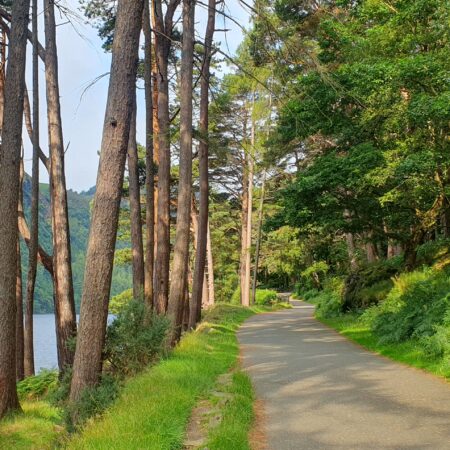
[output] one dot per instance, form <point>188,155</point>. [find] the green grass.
<point>237,417</point>
<point>154,407</point>
<point>37,427</point>
<point>409,352</point>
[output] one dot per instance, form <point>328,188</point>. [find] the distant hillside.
<point>79,218</point>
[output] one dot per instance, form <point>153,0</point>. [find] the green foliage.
<point>236,297</point>
<point>119,301</point>
<point>328,303</point>
<point>132,343</point>
<point>414,308</point>
<point>370,284</point>
<point>438,344</point>
<point>266,297</point>
<point>38,385</point>
<point>369,112</point>
<point>93,401</point>
<point>433,251</point>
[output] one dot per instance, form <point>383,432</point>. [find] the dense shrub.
<point>131,344</point>
<point>432,251</point>
<point>38,385</point>
<point>312,277</point>
<point>415,308</point>
<point>328,304</point>
<point>369,285</point>
<point>309,295</point>
<point>266,297</point>
<point>262,297</point>
<point>236,297</point>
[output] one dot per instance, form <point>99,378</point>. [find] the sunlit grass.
<point>237,417</point>
<point>154,407</point>
<point>38,427</point>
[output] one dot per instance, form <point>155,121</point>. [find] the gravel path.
<point>321,391</point>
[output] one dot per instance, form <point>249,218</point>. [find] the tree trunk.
<point>244,216</point>
<point>137,247</point>
<point>9,187</point>
<point>20,374</point>
<point>248,238</point>
<point>163,33</point>
<point>149,154</point>
<point>371,252</point>
<point>3,45</point>
<point>194,220</point>
<point>203,151</point>
<point>63,282</point>
<point>181,249</point>
<point>105,212</point>
<point>211,289</point>
<point>34,231</point>
<point>258,239</point>
<point>350,244</point>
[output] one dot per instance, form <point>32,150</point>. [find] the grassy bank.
<point>410,352</point>
<point>38,427</point>
<point>154,407</point>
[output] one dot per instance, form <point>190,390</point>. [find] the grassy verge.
<point>409,352</point>
<point>38,427</point>
<point>237,417</point>
<point>155,406</point>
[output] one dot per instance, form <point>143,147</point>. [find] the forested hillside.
<point>79,218</point>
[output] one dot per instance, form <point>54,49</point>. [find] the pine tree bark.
<point>149,154</point>
<point>9,187</point>
<point>137,246</point>
<point>62,260</point>
<point>194,221</point>
<point>203,156</point>
<point>181,249</point>
<point>248,237</point>
<point>3,45</point>
<point>34,231</point>
<point>163,33</point>
<point>244,208</point>
<point>211,288</point>
<point>258,238</point>
<point>105,214</point>
<point>20,373</point>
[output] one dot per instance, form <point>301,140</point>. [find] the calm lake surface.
<point>45,356</point>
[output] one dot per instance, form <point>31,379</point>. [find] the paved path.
<point>321,391</point>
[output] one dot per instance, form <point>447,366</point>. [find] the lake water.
<point>45,356</point>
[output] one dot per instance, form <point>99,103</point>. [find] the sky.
<point>81,61</point>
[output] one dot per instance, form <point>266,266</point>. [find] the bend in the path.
<point>321,391</point>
